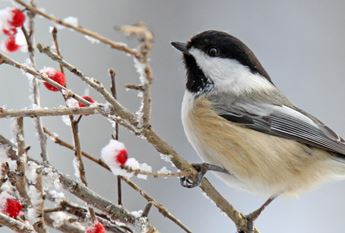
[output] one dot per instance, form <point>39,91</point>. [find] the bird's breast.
<point>259,162</point>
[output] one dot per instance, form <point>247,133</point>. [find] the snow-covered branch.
<point>27,185</point>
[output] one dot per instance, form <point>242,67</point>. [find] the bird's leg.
<point>202,168</point>
<point>255,214</point>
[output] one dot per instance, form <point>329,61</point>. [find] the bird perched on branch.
<point>241,125</point>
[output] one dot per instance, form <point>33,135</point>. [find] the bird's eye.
<point>213,52</point>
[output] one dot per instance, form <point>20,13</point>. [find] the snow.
<point>92,40</point>
<point>52,185</point>
<point>166,158</point>
<point>137,213</point>
<point>3,154</point>
<point>66,120</point>
<point>12,164</point>
<point>5,16</point>
<point>59,218</point>
<point>31,215</point>
<point>21,41</point>
<point>57,196</point>
<point>164,170</point>
<point>140,68</point>
<point>135,165</point>
<point>71,20</point>
<point>31,174</point>
<point>72,103</point>
<point>76,166</point>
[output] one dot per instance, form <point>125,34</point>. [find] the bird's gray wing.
<point>282,121</point>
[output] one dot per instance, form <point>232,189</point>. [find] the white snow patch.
<point>140,68</point>
<point>92,40</point>
<point>59,218</point>
<point>71,20</point>
<point>164,170</point>
<point>76,166</point>
<point>72,103</point>
<point>137,213</point>
<point>66,120</point>
<point>12,164</point>
<point>3,154</point>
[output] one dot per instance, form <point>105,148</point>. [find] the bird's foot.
<point>202,168</point>
<point>254,215</point>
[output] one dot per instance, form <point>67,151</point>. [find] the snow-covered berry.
<point>56,76</point>
<point>12,207</point>
<point>114,154</point>
<point>10,45</point>
<point>88,98</point>
<point>97,227</point>
<point>17,19</point>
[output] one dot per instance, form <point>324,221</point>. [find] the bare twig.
<point>144,35</point>
<point>57,46</point>
<point>79,161</point>
<point>115,135</point>
<point>21,183</point>
<point>60,111</point>
<point>136,87</point>
<point>40,224</point>
<point>29,37</point>
<point>115,45</point>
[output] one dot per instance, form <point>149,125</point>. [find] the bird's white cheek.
<point>229,74</point>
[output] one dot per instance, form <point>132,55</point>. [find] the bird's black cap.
<point>223,45</point>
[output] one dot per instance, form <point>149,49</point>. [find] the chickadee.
<point>237,119</point>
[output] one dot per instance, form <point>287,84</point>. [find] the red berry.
<point>88,98</point>
<point>97,227</point>
<point>12,207</point>
<point>18,18</point>
<point>58,77</point>
<point>121,157</point>
<point>11,45</point>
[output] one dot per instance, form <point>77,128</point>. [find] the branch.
<point>40,224</point>
<point>64,227</point>
<point>115,45</point>
<point>14,224</point>
<point>21,183</point>
<point>79,161</point>
<point>60,111</point>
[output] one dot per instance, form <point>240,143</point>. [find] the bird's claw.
<point>191,182</point>
<point>202,168</point>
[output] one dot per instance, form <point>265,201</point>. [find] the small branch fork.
<point>114,217</point>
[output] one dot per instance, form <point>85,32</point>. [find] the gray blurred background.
<point>300,43</point>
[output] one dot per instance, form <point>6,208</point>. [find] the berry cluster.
<point>10,20</point>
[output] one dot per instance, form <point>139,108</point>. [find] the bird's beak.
<point>180,46</point>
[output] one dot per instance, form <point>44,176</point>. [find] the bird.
<point>242,125</point>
